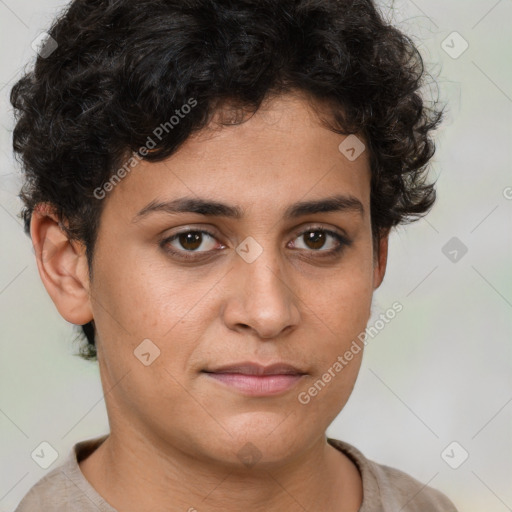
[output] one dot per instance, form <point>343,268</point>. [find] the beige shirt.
<point>65,489</point>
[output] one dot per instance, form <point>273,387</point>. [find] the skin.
<point>175,432</point>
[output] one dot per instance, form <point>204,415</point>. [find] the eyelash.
<point>190,255</point>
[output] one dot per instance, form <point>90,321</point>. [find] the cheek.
<point>142,320</point>
<point>345,299</point>
<point>142,297</point>
<point>342,313</point>
<point>146,301</point>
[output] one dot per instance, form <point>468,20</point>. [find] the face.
<point>272,284</point>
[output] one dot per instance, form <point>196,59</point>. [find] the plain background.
<point>439,372</point>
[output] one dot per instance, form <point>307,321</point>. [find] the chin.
<point>261,438</point>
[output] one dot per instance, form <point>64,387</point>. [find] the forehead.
<point>280,155</point>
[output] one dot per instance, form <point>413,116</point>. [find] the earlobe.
<point>62,265</point>
<point>381,259</point>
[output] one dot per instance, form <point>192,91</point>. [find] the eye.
<point>190,241</point>
<point>316,239</point>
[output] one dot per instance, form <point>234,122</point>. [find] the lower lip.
<point>257,385</point>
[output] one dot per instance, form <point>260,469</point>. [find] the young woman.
<point>210,187</point>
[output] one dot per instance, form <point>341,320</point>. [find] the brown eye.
<point>315,239</point>
<point>189,242</point>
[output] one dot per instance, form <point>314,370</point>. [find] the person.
<point>209,187</point>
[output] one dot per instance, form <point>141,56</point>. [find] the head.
<point>287,138</point>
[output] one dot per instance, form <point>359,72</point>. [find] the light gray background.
<point>439,372</point>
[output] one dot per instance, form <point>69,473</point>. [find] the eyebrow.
<point>207,207</point>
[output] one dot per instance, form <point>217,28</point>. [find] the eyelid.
<point>320,227</point>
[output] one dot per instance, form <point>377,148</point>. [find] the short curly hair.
<point>123,67</point>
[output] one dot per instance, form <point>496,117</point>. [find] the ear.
<point>380,259</point>
<point>62,265</point>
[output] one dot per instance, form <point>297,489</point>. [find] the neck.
<point>133,474</point>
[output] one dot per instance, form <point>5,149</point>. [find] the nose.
<point>260,297</point>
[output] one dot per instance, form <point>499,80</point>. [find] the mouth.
<point>253,379</point>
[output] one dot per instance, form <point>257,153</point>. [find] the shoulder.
<point>64,488</point>
<point>392,489</point>
<point>414,496</point>
<point>49,491</point>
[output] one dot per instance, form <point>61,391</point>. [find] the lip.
<point>254,379</point>
<point>251,368</point>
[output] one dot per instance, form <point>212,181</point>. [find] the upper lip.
<point>250,368</point>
